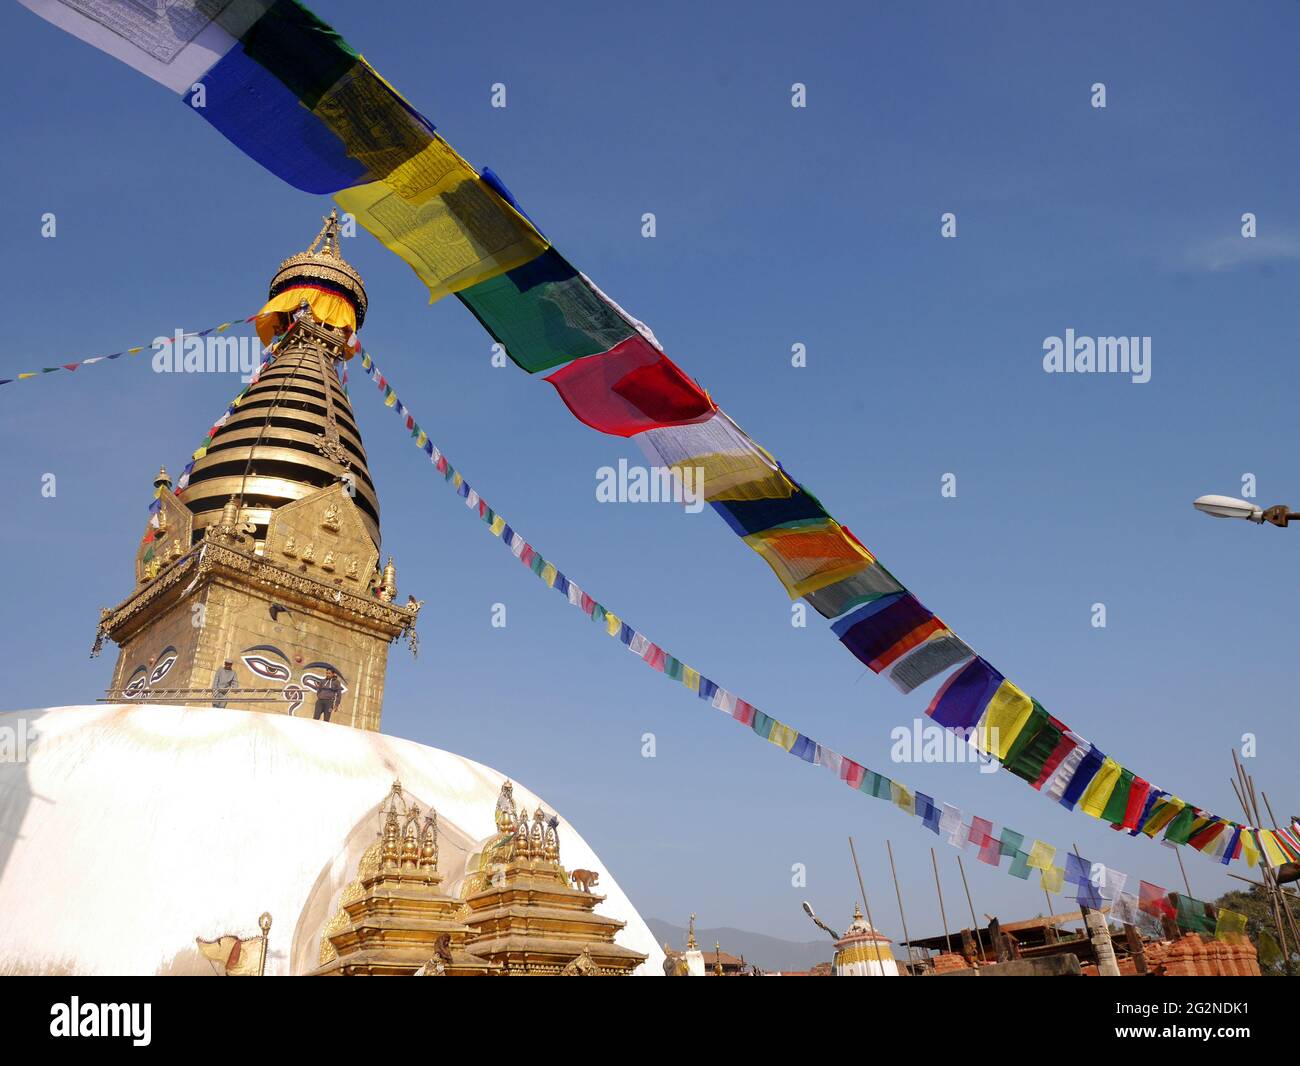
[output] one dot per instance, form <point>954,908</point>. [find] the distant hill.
<point>765,952</point>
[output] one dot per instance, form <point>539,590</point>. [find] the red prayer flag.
<point>1137,801</point>
<point>631,388</point>
<point>1152,899</point>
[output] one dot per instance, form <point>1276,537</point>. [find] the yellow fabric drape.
<point>327,307</point>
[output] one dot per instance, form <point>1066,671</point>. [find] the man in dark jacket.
<point>328,695</point>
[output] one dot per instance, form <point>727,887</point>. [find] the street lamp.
<point>1227,507</point>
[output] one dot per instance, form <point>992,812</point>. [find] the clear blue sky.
<point>775,226</point>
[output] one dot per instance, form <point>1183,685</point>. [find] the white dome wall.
<point>130,830</point>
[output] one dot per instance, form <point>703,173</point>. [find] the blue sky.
<point>775,226</point>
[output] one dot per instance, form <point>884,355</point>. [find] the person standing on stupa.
<point>223,682</point>
<point>327,696</point>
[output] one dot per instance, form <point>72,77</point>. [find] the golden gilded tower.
<point>269,559</point>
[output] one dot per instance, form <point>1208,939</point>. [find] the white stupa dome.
<point>128,830</point>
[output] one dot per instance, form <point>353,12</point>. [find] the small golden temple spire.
<point>717,958</point>
<point>691,944</point>
<point>163,480</point>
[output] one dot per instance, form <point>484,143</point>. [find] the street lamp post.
<point>1228,507</point>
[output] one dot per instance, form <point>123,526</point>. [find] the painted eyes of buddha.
<point>144,677</point>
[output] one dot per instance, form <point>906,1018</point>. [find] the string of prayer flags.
<point>289,91</point>
<point>163,341</point>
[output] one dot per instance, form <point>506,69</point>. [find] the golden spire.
<point>163,480</point>
<point>293,431</point>
<point>691,944</point>
<point>717,958</point>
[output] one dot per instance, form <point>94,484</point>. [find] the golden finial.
<point>323,262</point>
<point>717,958</point>
<point>163,480</point>
<point>388,582</point>
<point>691,944</point>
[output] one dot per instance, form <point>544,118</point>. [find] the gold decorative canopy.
<point>322,265</point>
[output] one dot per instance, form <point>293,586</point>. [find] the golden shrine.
<point>269,557</point>
<point>516,914</point>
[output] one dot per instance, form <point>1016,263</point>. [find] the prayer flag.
<point>1154,900</point>
<point>928,660</point>
<point>808,557</point>
<point>879,632</point>
<point>1003,720</point>
<point>961,700</point>
<point>434,212</point>
<point>545,314</point>
<point>630,389</point>
<point>716,459</point>
<point>863,587</point>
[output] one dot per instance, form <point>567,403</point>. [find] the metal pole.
<point>867,907</point>
<point>902,917</point>
<point>979,940</point>
<point>946,937</point>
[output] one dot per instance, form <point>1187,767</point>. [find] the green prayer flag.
<point>673,668</point>
<point>545,314</point>
<point>1180,829</point>
<point>1192,914</point>
<point>762,723</point>
<point>1020,865</point>
<point>306,54</point>
<point>1009,843</point>
<point>1117,805</point>
<point>1027,762</point>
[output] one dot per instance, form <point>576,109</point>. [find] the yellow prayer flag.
<point>902,797</point>
<point>1166,810</point>
<point>782,735</point>
<point>613,624</point>
<point>421,439</point>
<point>1097,794</point>
<point>691,679</point>
<point>1002,720</point>
<point>1248,850</point>
<point>29,374</point>
<point>1053,878</point>
<point>437,214</point>
<point>1272,849</point>
<point>134,351</point>
<point>199,454</point>
<point>548,575</point>
<point>1040,856</point>
<point>390,400</point>
<point>498,526</point>
<point>1230,925</point>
